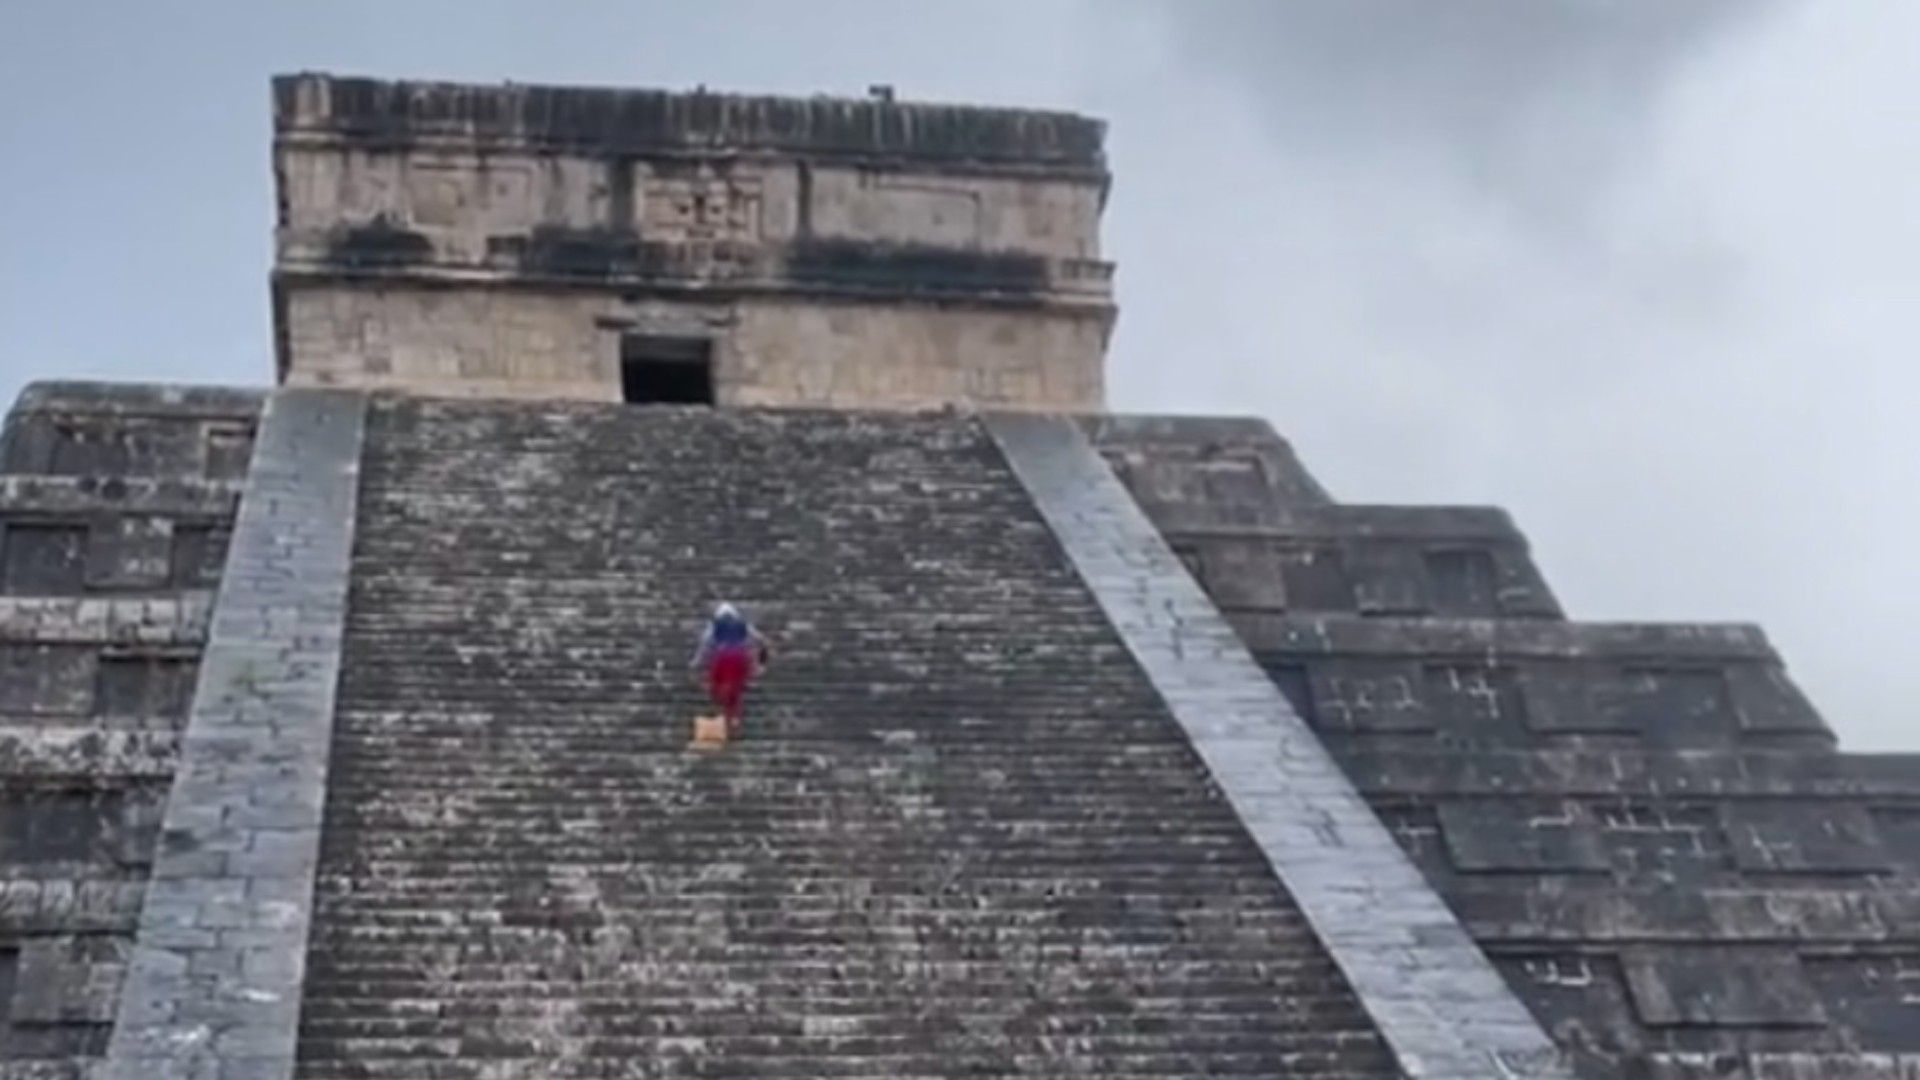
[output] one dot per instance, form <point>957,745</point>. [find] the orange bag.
<point>709,732</point>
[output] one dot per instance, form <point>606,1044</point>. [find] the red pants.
<point>728,673</point>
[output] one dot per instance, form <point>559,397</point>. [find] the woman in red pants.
<point>731,653</point>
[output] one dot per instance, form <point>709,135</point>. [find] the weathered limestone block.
<point>1767,701</point>
<point>74,907</point>
<point>1685,644</point>
<point>180,619</point>
<point>47,680</point>
<point>1742,987</point>
<point>1594,913</point>
<point>137,400</point>
<point>45,558</point>
<point>1794,837</point>
<point>82,496</point>
<point>130,552</point>
<point>1424,771</point>
<point>1369,695</point>
<point>849,353</point>
<point>1249,573</point>
<point>1505,836</point>
<point>40,751</point>
<point>145,684</point>
<point>947,256</point>
<point>67,979</point>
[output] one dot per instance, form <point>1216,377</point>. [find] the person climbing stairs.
<point>730,654</point>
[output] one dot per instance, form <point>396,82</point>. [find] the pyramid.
<point>344,724</point>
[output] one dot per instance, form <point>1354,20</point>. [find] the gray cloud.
<point>1638,271</point>
<point>1535,100</point>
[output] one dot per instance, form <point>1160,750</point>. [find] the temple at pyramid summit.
<point>522,243</point>
<point>345,719</point>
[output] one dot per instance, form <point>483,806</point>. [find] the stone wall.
<point>770,350</point>
<point>1647,827</point>
<point>458,206</point>
<point>116,503</point>
<point>875,356</point>
<point>476,342</point>
<point>1431,994</point>
<point>476,241</point>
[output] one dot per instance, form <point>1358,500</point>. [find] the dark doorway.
<point>666,370</point>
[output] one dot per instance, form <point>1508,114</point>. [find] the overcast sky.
<point>1645,272</point>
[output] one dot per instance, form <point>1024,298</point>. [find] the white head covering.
<point>725,611</point>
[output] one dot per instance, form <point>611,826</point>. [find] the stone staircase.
<point>962,839</point>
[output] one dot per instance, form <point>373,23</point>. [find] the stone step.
<point>962,836</point>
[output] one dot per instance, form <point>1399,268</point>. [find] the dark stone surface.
<point>915,269</point>
<point>78,400</point>
<point>100,486</point>
<point>1500,835</point>
<point>125,432</point>
<point>38,558</point>
<point>1530,640</point>
<point>1463,581</point>
<point>1431,767</point>
<point>963,836</point>
<point>1368,695</point>
<point>1231,492</point>
<point>129,551</point>
<point>47,679</point>
<point>1646,825</point>
<point>1439,1005</point>
<point>553,251</point>
<point>145,684</point>
<point>716,267</point>
<point>199,551</point>
<point>1198,475</point>
<point>1791,837</point>
<point>379,243</point>
<point>619,121</point>
<point>1721,987</point>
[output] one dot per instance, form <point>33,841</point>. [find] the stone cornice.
<point>606,121</point>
